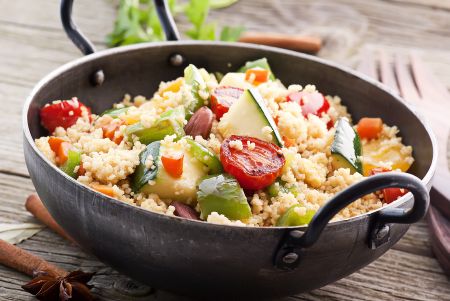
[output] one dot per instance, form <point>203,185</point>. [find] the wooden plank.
<point>11,152</point>
<point>14,191</point>
<point>395,276</point>
<point>435,4</point>
<point>416,240</point>
<point>95,18</point>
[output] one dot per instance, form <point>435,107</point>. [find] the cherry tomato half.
<point>256,166</point>
<point>389,194</point>
<point>64,114</point>
<point>222,98</point>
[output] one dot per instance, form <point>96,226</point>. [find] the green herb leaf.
<point>207,32</point>
<point>137,21</point>
<point>231,34</point>
<point>218,4</point>
<point>196,12</point>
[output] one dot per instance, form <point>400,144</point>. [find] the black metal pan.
<point>200,259</point>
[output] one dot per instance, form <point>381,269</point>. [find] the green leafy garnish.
<point>231,34</point>
<point>196,12</point>
<point>137,22</point>
<point>217,4</point>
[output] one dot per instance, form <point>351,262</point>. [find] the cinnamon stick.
<point>20,260</point>
<point>293,42</point>
<point>35,206</point>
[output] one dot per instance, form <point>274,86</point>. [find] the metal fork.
<point>409,77</point>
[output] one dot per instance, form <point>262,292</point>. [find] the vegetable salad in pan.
<point>237,148</point>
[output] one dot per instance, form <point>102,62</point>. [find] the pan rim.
<point>113,51</point>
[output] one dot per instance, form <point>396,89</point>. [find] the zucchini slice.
<point>346,149</point>
<point>183,189</point>
<point>143,174</point>
<point>248,116</point>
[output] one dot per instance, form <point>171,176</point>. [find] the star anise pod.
<point>71,287</point>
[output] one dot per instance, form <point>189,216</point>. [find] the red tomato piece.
<point>222,98</point>
<point>330,124</point>
<point>81,171</point>
<point>312,103</point>
<point>256,166</point>
<point>173,164</point>
<point>64,113</point>
<point>276,119</point>
<point>389,194</point>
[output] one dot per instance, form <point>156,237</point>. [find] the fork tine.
<point>367,64</point>
<point>386,72</point>
<point>406,84</point>
<point>428,85</point>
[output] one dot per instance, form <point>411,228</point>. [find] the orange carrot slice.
<point>109,131</point>
<point>369,128</point>
<point>288,142</point>
<point>63,152</point>
<point>105,189</point>
<point>55,143</point>
<point>173,164</point>
<point>257,75</point>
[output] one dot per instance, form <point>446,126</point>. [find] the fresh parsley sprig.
<point>137,22</point>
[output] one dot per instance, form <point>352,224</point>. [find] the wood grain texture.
<point>33,43</point>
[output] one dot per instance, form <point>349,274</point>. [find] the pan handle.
<point>77,37</point>
<point>86,47</point>
<point>287,255</point>
<point>166,19</point>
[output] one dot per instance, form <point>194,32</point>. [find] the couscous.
<point>235,149</point>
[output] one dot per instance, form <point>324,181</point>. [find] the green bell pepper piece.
<point>169,123</point>
<point>115,112</point>
<point>193,77</point>
<point>276,187</point>
<point>222,194</point>
<point>279,186</point>
<point>143,174</point>
<point>205,156</point>
<point>73,160</point>
<point>261,63</point>
<point>292,218</point>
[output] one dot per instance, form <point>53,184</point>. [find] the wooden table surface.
<point>32,43</point>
